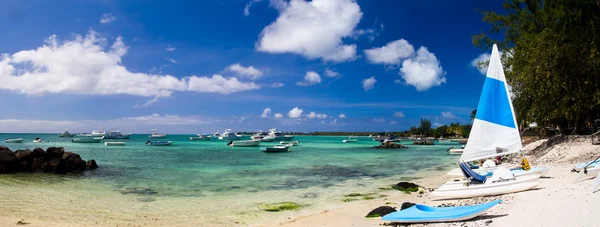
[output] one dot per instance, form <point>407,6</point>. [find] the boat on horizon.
<point>38,140</point>
<point>155,134</point>
<point>87,140</point>
<point>14,140</point>
<point>277,148</point>
<point>279,136</point>
<point>114,143</point>
<point>350,139</point>
<point>65,134</point>
<point>116,135</point>
<point>229,135</point>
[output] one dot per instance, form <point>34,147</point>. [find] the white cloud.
<point>277,85</point>
<point>481,58</point>
<point>448,114</point>
<point>436,124</point>
<point>249,72</point>
<point>172,60</point>
<point>312,29</point>
<point>379,120</point>
<point>170,48</point>
<point>247,8</point>
<point>331,73</point>
<point>83,66</point>
<point>423,70</point>
<point>107,18</point>
<point>278,115</point>
<point>311,78</point>
<point>266,112</point>
<point>399,114</point>
<point>295,112</point>
<point>316,115</point>
<point>393,122</point>
<point>392,53</point>
<point>342,116</point>
<point>369,83</point>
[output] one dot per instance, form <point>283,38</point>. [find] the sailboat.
<point>200,136</point>
<point>494,133</point>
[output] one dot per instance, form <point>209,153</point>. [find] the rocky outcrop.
<point>53,160</point>
<point>423,142</point>
<point>390,145</point>
<point>380,211</point>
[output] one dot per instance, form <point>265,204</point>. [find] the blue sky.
<point>137,65</point>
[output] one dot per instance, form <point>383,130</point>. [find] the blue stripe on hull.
<point>494,106</point>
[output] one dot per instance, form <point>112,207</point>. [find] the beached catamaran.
<point>494,133</point>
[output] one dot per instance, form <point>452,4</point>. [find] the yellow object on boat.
<point>525,164</point>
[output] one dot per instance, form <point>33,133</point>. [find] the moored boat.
<point>38,140</point>
<point>291,143</point>
<point>244,143</point>
<point>350,139</point>
<point>155,134</point>
<point>229,135</point>
<point>87,140</point>
<point>65,134</point>
<point>159,143</point>
<point>114,143</point>
<point>278,148</point>
<point>116,135</point>
<point>14,140</point>
<point>199,137</point>
<point>279,136</point>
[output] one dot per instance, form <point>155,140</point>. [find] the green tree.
<point>552,49</point>
<point>425,127</point>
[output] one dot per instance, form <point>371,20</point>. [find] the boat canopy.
<point>494,131</point>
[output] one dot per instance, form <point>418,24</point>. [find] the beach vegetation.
<point>275,207</point>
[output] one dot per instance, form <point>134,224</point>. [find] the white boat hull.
<point>458,190</point>
<point>455,151</point>
<point>13,140</point>
<point>245,143</point>
<point>114,143</point>
<point>199,138</point>
<point>349,141</point>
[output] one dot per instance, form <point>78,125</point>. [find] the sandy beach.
<point>555,202</point>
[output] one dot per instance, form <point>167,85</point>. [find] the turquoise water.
<point>201,169</point>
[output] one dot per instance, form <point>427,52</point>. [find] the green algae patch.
<point>406,187</point>
<point>349,200</point>
<point>368,198</point>
<point>373,216</point>
<point>275,207</point>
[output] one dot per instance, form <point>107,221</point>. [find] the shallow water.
<point>212,183</point>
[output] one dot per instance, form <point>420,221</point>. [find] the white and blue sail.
<point>494,131</point>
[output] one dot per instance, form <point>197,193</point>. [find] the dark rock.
<point>91,164</point>
<point>390,145</point>
<point>25,165</point>
<point>38,163</point>
<point>56,165</point>
<point>75,163</point>
<point>8,160</point>
<point>38,153</point>
<point>23,155</point>
<point>406,186</point>
<point>406,205</point>
<point>423,142</point>
<point>55,152</point>
<point>67,155</point>
<point>380,211</point>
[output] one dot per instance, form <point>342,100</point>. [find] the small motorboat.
<point>350,139</point>
<point>114,143</point>
<point>200,137</point>
<point>156,134</point>
<point>426,214</point>
<point>87,140</point>
<point>14,140</point>
<point>278,148</point>
<point>453,150</point>
<point>159,143</point>
<point>292,143</point>
<point>65,134</point>
<point>244,143</point>
<point>38,140</point>
<point>267,139</point>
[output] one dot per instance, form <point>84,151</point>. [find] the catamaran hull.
<point>518,172</point>
<point>426,214</point>
<point>458,190</point>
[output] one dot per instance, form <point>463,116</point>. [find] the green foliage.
<point>372,216</point>
<point>553,51</point>
<point>274,207</point>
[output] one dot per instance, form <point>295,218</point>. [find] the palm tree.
<point>473,114</point>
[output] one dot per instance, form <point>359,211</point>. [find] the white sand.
<point>555,202</point>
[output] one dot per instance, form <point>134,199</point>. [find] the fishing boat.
<point>98,133</point>
<point>494,133</point>
<point>114,143</point>
<point>279,136</point>
<point>427,214</point>
<point>291,143</point>
<point>155,134</point>
<point>87,140</point>
<point>215,135</point>
<point>229,135</point>
<point>267,139</point>
<point>259,135</point>
<point>350,139</point>
<point>116,135</point>
<point>14,140</point>
<point>199,137</point>
<point>38,140</point>
<point>159,143</point>
<point>278,148</point>
<point>65,134</point>
<point>244,143</point>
